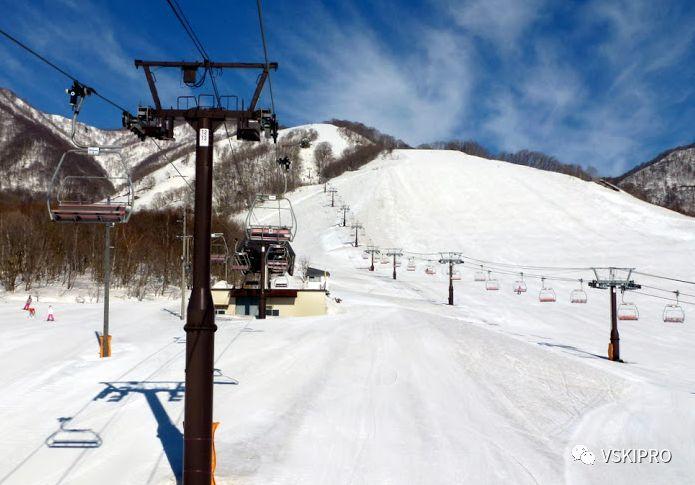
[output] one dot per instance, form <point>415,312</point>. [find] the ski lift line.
<point>60,70</point>
<point>181,17</point>
<point>667,291</point>
<point>265,53</point>
<point>664,278</point>
<point>664,298</point>
<point>170,162</point>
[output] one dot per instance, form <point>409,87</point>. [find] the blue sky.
<point>608,83</point>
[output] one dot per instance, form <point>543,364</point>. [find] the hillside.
<point>667,180</point>
<point>393,386</point>
<point>32,142</point>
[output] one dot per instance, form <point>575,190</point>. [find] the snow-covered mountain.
<point>393,386</point>
<point>32,142</point>
<point>668,180</point>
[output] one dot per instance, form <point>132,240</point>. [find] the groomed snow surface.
<point>393,386</point>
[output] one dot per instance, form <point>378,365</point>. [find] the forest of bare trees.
<point>146,256</point>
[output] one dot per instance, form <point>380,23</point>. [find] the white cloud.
<point>502,22</point>
<point>418,97</point>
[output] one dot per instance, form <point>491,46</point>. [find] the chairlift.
<point>429,269</point>
<point>277,259</point>
<point>73,438</point>
<point>365,255</point>
<point>280,282</point>
<point>219,251</point>
<point>579,295</point>
<point>491,284</point>
<point>627,311</point>
<point>520,285</point>
<point>547,294</point>
<point>96,199</point>
<point>673,312</point>
<point>455,275</point>
<point>411,265</point>
<point>385,259</point>
<point>240,262</point>
<point>271,218</point>
<point>480,275</point>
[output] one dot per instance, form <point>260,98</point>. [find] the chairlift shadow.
<point>171,312</point>
<point>168,433</point>
<point>65,437</point>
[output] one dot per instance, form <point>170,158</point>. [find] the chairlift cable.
<point>664,278</point>
<point>171,163</point>
<point>62,71</point>
<point>265,53</point>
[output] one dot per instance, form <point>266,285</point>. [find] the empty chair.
<point>385,259</point>
<point>673,312</point>
<point>411,265</point>
<point>491,284</point>
<point>455,275</point>
<point>90,199</point>
<point>520,285</point>
<point>627,311</point>
<point>579,295</point>
<point>480,275</point>
<point>270,218</point>
<point>430,270</point>
<point>547,294</point>
<point>365,255</point>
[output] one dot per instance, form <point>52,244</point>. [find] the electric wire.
<point>664,278</point>
<point>62,71</point>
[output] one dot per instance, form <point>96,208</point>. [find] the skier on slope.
<point>50,317</point>
<point>27,305</point>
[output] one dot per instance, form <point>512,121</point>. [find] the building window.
<point>220,311</point>
<point>272,312</point>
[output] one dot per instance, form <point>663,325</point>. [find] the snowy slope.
<point>392,386</point>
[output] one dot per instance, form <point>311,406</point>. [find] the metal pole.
<point>344,216</point>
<point>261,299</point>
<point>356,236</point>
<point>106,348</point>
<point>184,260</point>
<point>371,268</point>
<point>394,266</point>
<point>451,283</point>
<point>333,198</point>
<point>200,326</point>
<point>615,336</point>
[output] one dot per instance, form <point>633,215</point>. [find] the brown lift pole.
<point>395,253</point>
<point>613,279</point>
<point>372,250</point>
<point>200,323</point>
<point>356,226</point>
<point>261,283</point>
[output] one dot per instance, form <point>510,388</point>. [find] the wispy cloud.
<point>419,96</point>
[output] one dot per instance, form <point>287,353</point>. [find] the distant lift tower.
<point>345,208</point>
<point>611,279</point>
<point>450,258</point>
<point>356,226</point>
<point>395,253</point>
<point>373,251</point>
<point>332,191</point>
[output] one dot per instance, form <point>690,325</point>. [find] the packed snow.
<point>393,386</point>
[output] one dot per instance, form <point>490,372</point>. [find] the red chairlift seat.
<point>270,234</point>
<point>431,270</point>
<point>628,311</point>
<point>673,312</point>
<point>455,275</point>
<point>546,295</point>
<point>74,212</point>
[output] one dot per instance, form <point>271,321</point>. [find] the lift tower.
<point>372,250</point>
<point>395,253</point>
<point>158,122</point>
<point>356,226</point>
<point>451,259</point>
<point>611,279</point>
<point>332,191</point>
<point>345,208</point>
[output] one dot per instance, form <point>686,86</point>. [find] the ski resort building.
<point>280,302</point>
